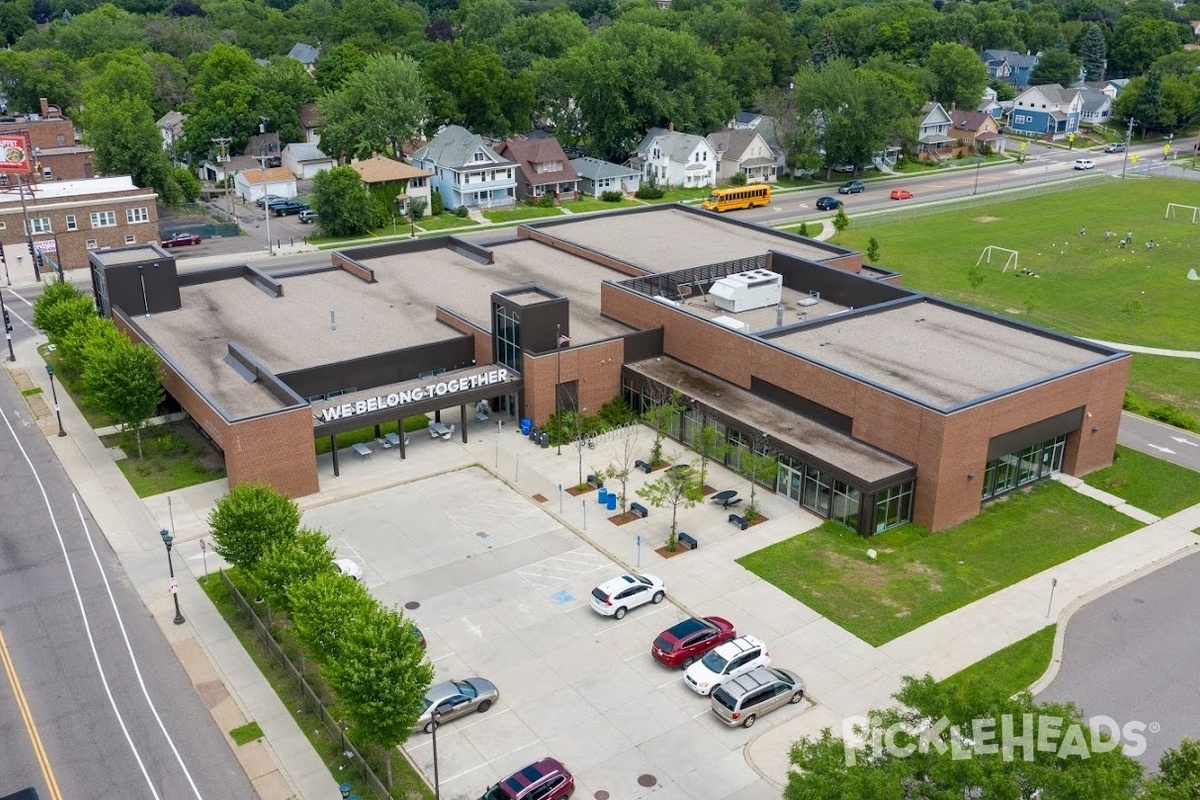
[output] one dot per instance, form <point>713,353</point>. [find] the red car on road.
<point>687,642</point>
<point>180,239</point>
<point>901,194</point>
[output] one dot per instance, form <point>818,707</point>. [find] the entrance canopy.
<point>419,396</point>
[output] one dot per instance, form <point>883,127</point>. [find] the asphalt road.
<point>1168,443</point>
<point>115,716</point>
<point>1130,655</point>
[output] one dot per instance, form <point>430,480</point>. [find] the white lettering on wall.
<point>417,393</point>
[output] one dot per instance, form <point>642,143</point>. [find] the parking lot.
<point>500,589</point>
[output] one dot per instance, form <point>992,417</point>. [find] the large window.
<point>846,500</point>
<point>135,215</point>
<point>1023,467</point>
<point>893,506</point>
<point>39,225</point>
<point>104,219</point>
<point>508,337</point>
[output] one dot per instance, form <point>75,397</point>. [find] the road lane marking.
<point>35,741</point>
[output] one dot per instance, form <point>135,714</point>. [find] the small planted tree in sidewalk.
<point>124,379</point>
<point>710,444</point>
<point>677,487</point>
<point>248,518</point>
<point>661,417</point>
<point>628,442</point>
<point>759,466</point>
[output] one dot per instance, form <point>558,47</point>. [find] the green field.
<point>1012,669</point>
<point>1087,286</point>
<point>1148,483</point>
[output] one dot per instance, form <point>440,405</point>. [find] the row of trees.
<point>121,377</point>
<point>370,655</point>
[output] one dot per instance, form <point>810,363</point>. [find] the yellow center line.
<point>36,741</point>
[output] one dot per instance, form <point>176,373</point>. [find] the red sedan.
<point>682,644</point>
<point>901,194</point>
<point>180,239</point>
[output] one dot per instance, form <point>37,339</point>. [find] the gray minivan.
<point>747,697</point>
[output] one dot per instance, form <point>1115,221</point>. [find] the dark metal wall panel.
<point>1038,432</point>
<point>381,369</point>
<point>802,405</point>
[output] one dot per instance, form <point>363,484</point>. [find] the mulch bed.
<point>575,491</point>
<point>541,498</point>
<point>761,518</point>
<point>621,519</point>
<point>665,553</point>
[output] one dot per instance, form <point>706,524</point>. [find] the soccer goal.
<point>1172,208</point>
<point>1011,257</point>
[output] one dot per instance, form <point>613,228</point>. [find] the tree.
<point>662,417</point>
<point>325,609</point>
<point>948,741</point>
<point>381,679</point>
<point>290,560</point>
<point>1178,775</point>
<point>758,466</point>
<point>469,86</point>
<point>975,277</point>
<point>873,250</point>
<point>550,35</point>
<point>248,518</point>
<point>56,321</point>
<point>124,378</point>
<point>337,64</point>
<point>1137,42</point>
<point>956,75</point>
<point>26,77</point>
<point>825,48</point>
<point>375,110</point>
<point>83,334</point>
<point>628,444</point>
<point>1093,52</point>
<point>127,142</point>
<point>1148,108</point>
<point>1055,66</point>
<point>676,487</point>
<point>840,221</point>
<point>341,202</point>
<point>188,183</point>
<point>711,444</point>
<point>103,30</point>
<point>225,100</point>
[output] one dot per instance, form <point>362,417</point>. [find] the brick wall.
<point>69,166</point>
<point>597,368</point>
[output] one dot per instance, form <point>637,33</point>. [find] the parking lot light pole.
<point>53,395</point>
<point>167,539</point>
<point>437,784</point>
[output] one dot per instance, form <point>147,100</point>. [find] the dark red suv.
<point>682,644</point>
<point>547,779</point>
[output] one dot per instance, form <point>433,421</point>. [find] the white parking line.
<point>702,713</point>
<point>490,761</point>
<point>609,628</point>
<point>668,683</point>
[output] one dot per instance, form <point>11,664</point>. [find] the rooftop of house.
<point>530,154</point>
<point>304,53</point>
<point>254,177</point>
<point>675,145</point>
<point>733,143</point>
<point>597,169</point>
<point>310,116</point>
<point>968,120</point>
<point>303,151</point>
<point>381,169</point>
<point>455,147</point>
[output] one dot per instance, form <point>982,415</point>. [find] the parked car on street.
<point>682,644</point>
<point>453,699</point>
<point>180,239</point>
<point>1115,147</point>
<point>747,697</point>
<point>828,204</point>
<point>852,187</point>
<point>287,208</point>
<point>307,216</point>
<point>268,200</point>
<point>615,597</point>
<point>1084,163</point>
<point>901,194</point>
<point>728,661</point>
<point>547,779</point>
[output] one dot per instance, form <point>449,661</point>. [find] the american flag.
<point>563,339</point>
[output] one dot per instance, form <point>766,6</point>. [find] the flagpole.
<point>558,378</point>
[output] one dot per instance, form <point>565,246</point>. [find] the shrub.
<point>616,412</point>
<point>649,191</point>
<point>1172,416</point>
<point>438,205</point>
<point>612,196</point>
<point>461,212</point>
<point>417,208</point>
<point>737,179</point>
<point>803,229</point>
<point>546,201</point>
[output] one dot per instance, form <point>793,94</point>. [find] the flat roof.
<point>753,413</point>
<point>764,319</point>
<point>938,354</point>
<point>671,238</point>
<point>130,255</point>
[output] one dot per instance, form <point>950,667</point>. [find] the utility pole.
<point>262,128</point>
<point>223,142</point>
<point>1128,137</point>
<point>37,271</point>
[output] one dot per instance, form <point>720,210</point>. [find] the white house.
<point>671,158</point>
<point>251,184</point>
<point>1097,104</point>
<point>305,160</point>
<point>745,150</point>
<point>466,171</point>
<point>597,177</point>
<point>933,135</point>
<point>170,125</point>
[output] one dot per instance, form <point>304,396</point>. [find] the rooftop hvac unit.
<point>732,324</point>
<point>811,299</point>
<point>745,291</point>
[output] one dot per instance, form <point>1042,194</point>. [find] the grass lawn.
<point>680,194</point>
<point>244,734</point>
<point>918,576</point>
<point>1088,287</point>
<point>585,204</point>
<point>68,380</point>
<point>443,221</point>
<point>522,212</point>
<point>1148,483</point>
<point>1155,380</point>
<point>175,456</point>
<point>364,435</point>
<point>1012,669</point>
<point>407,784</point>
<point>914,166</point>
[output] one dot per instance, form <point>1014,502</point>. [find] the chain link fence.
<point>195,218</point>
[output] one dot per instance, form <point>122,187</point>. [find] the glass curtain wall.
<point>508,337</point>
<point>1021,468</point>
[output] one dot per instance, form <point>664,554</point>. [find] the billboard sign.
<point>14,152</point>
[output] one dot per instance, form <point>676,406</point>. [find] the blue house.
<point>466,171</point>
<point>1009,66</point>
<point>1048,110</point>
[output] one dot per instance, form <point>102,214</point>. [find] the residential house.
<point>403,182</point>
<point>310,122</point>
<point>542,168</point>
<point>265,144</point>
<point>1009,66</point>
<point>597,177</point>
<point>251,184</point>
<point>305,160</point>
<point>217,170</point>
<point>933,133</point>
<point>672,158</point>
<point>976,129</point>
<point>1048,110</point>
<point>746,120</point>
<point>170,125</point>
<point>466,170</point>
<point>744,150</point>
<point>990,104</point>
<point>1114,86</point>
<point>1097,102</point>
<point>306,54</point>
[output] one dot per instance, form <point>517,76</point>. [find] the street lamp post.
<point>7,330</point>
<point>53,394</point>
<point>978,161</point>
<point>437,784</point>
<point>167,539</point>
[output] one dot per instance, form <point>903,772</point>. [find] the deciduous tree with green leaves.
<point>248,518</point>
<point>61,305</point>
<point>90,331</point>
<point>759,466</point>
<point>325,609</point>
<point>124,380</point>
<point>619,470</point>
<point>1055,66</point>
<point>956,75</point>
<point>675,488</point>
<point>712,445</point>
<point>290,560</point>
<point>840,221</point>
<point>661,417</point>
<point>341,202</point>
<point>375,110</point>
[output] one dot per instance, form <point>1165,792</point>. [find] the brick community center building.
<point>56,155</point>
<point>881,404</point>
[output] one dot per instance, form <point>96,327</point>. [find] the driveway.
<point>500,590</point>
<point>1131,655</point>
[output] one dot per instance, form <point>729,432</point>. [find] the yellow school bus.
<point>738,197</point>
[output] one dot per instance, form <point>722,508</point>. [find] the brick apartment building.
<point>56,154</point>
<point>879,404</point>
<point>67,219</point>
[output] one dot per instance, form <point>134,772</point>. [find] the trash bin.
<point>612,501</point>
<point>544,441</point>
<point>526,426</point>
<point>602,495</point>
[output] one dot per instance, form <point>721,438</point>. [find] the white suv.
<point>613,598</point>
<point>731,659</point>
<point>1084,163</point>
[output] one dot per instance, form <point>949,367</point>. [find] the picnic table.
<point>437,429</point>
<point>727,498</point>
<point>393,439</point>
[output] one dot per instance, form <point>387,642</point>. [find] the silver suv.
<point>747,697</point>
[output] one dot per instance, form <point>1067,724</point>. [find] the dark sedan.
<point>685,643</point>
<point>828,204</point>
<point>180,239</point>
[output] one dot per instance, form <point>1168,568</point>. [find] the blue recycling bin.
<point>612,501</point>
<point>602,495</point>
<point>526,426</point>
